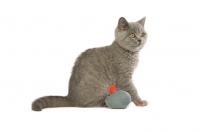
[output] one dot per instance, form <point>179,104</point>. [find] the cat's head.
<point>131,36</point>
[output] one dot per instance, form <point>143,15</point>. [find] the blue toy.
<point>117,99</point>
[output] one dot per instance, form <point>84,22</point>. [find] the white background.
<point>40,40</point>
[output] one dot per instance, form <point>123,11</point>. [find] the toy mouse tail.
<point>50,102</point>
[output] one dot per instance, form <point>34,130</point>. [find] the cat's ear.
<point>142,21</point>
<point>122,24</point>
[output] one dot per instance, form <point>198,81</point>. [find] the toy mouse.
<point>117,99</point>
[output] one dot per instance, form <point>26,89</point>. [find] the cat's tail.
<point>51,101</point>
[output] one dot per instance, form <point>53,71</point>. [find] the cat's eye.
<point>143,34</point>
<point>132,35</point>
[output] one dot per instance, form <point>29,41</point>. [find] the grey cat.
<point>95,70</point>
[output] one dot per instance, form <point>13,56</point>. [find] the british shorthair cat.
<point>96,69</point>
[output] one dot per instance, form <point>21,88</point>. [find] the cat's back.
<point>91,62</point>
<point>94,56</point>
<point>90,67</point>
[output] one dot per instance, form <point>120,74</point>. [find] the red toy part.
<point>137,104</point>
<point>112,89</point>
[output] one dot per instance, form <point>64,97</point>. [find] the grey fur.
<point>95,70</point>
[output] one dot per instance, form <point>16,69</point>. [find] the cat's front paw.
<point>141,103</point>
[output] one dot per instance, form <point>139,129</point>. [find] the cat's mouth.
<point>138,44</point>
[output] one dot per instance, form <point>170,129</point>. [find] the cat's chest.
<point>124,65</point>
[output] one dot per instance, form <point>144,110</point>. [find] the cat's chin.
<point>134,48</point>
<point>129,47</point>
<point>137,48</point>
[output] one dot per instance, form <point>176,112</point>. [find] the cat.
<point>95,70</point>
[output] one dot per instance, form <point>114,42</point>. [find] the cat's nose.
<point>139,40</point>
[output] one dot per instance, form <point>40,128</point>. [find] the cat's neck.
<point>117,49</point>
